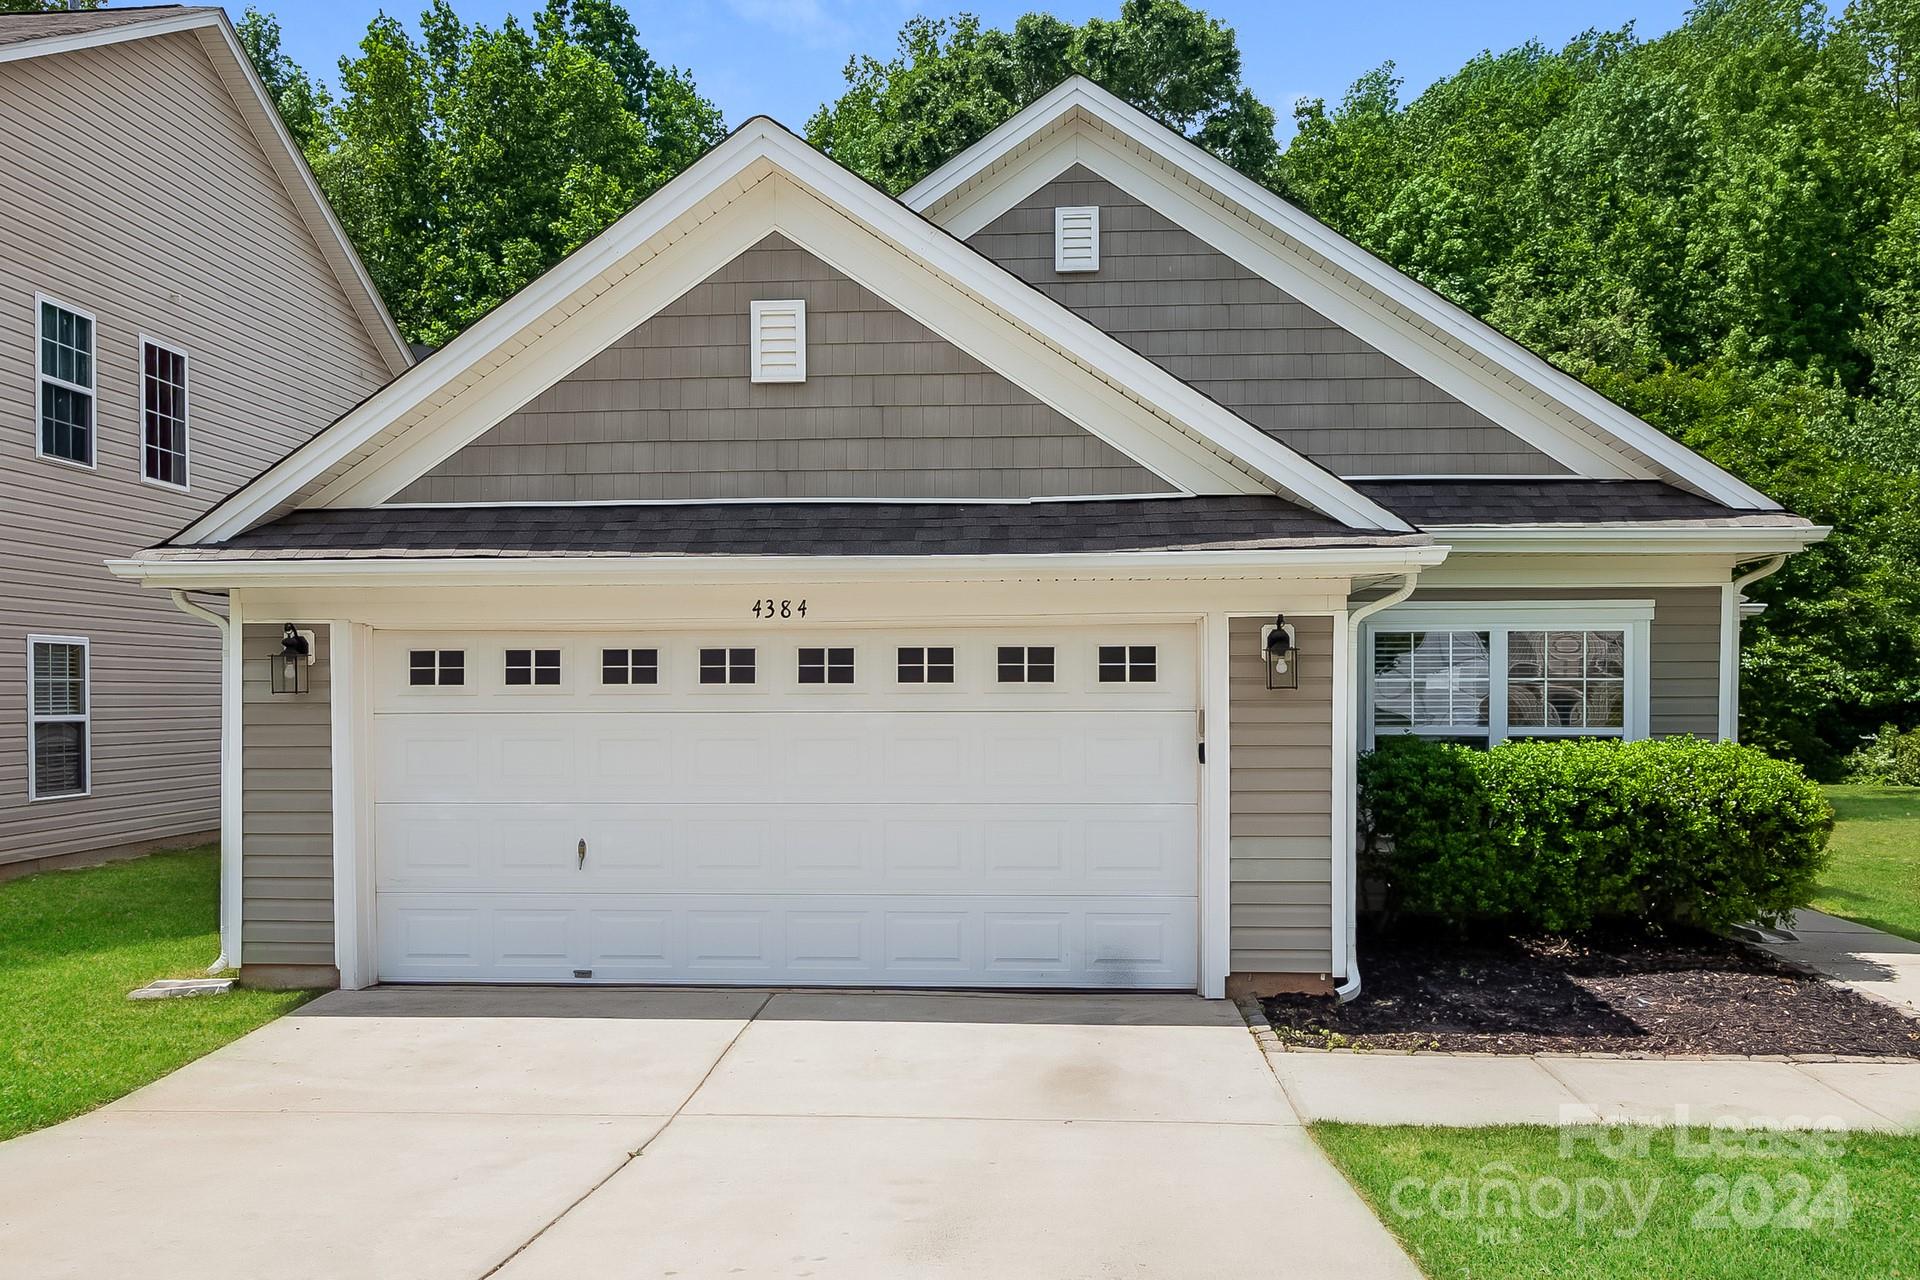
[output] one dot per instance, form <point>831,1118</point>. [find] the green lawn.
<point>1875,877</point>
<point>1588,1213</point>
<point>72,944</point>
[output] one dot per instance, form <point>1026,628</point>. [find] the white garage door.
<point>937,808</point>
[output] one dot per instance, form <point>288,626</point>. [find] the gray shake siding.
<point>1249,345</point>
<point>888,410</point>
<point>131,188</point>
<point>1683,680</point>
<point>286,819</point>
<point>1281,830</point>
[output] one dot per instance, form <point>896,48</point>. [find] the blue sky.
<point>784,57</point>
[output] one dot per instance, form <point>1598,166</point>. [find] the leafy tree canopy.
<point>1720,228</point>
<point>952,81</point>
<point>466,160</point>
<point>46,6</point>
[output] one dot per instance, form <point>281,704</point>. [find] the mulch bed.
<point>1694,994</point>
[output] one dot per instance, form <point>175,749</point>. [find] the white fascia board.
<point>159,26</point>
<point>643,570</point>
<point>758,150</point>
<point>1258,205</point>
<point>1561,539</point>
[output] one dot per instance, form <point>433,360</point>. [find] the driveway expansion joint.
<point>638,1151</point>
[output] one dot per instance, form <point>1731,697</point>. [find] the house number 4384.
<point>766,609</point>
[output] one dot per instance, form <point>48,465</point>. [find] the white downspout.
<point>1347,875</point>
<point>205,614</point>
<point>1730,598</point>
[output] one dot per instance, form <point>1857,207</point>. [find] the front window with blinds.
<point>65,395</point>
<point>58,705</point>
<point>163,414</point>
<point>1431,682</point>
<point>1539,671</point>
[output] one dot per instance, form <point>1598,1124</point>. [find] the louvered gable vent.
<point>1076,238</point>
<point>779,341</point>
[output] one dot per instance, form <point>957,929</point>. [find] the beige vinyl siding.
<point>1256,349</point>
<point>1683,678</point>
<point>132,189</point>
<point>286,808</point>
<point>889,409</point>
<point>1281,828</point>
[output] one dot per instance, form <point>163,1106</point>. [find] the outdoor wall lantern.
<point>291,663</point>
<point>1280,653</point>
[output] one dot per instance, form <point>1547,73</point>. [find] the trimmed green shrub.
<point>1891,758</point>
<point>1566,835</point>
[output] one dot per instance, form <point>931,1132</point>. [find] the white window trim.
<point>533,651</point>
<point>41,379</point>
<point>85,719</point>
<point>1063,214</point>
<point>1498,619</point>
<point>466,668</point>
<point>186,419</point>
<point>798,307</point>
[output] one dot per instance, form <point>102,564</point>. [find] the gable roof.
<point>41,35</point>
<point>763,177</point>
<point>1080,122</point>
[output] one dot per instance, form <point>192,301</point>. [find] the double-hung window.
<point>1480,674</point>
<point>59,759</point>
<point>65,384</point>
<point>163,414</point>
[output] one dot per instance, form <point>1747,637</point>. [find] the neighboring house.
<point>178,309</point>
<point>798,585</point>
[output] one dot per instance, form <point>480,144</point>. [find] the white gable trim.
<point>1440,341</point>
<point>221,44</point>
<point>1212,442</point>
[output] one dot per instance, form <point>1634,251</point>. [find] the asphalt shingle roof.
<point>1586,504</point>
<point>1227,523</point>
<point>15,27</point>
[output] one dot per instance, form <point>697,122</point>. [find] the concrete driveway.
<point>529,1133</point>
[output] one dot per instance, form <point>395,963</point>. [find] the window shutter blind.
<point>779,341</point>
<point>1076,238</point>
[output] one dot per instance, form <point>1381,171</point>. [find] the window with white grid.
<point>65,388</point>
<point>58,708</point>
<point>163,414</point>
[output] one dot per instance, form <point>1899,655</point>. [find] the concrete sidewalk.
<point>1873,963</point>
<point>1466,1089</point>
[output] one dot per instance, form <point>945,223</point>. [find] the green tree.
<point>46,6</point>
<point>952,80</point>
<point>466,160</point>
<point>1718,228</point>
<point>303,104</point>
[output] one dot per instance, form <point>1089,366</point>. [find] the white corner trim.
<point>1426,309</point>
<point>232,783</point>
<point>1216,805</point>
<point>758,150</point>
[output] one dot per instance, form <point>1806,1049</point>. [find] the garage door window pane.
<point>726,666</point>
<point>920,665</point>
<point>629,666</point>
<point>1128,663</point>
<point>533,666</point>
<point>826,666</point>
<point>1026,664</point>
<point>427,667</point>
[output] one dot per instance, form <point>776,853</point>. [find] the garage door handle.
<point>583,856</point>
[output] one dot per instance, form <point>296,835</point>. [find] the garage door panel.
<point>962,835</point>
<point>828,848</point>
<point>989,757</point>
<point>758,939</point>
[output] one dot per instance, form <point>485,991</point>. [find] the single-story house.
<point>987,588</point>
